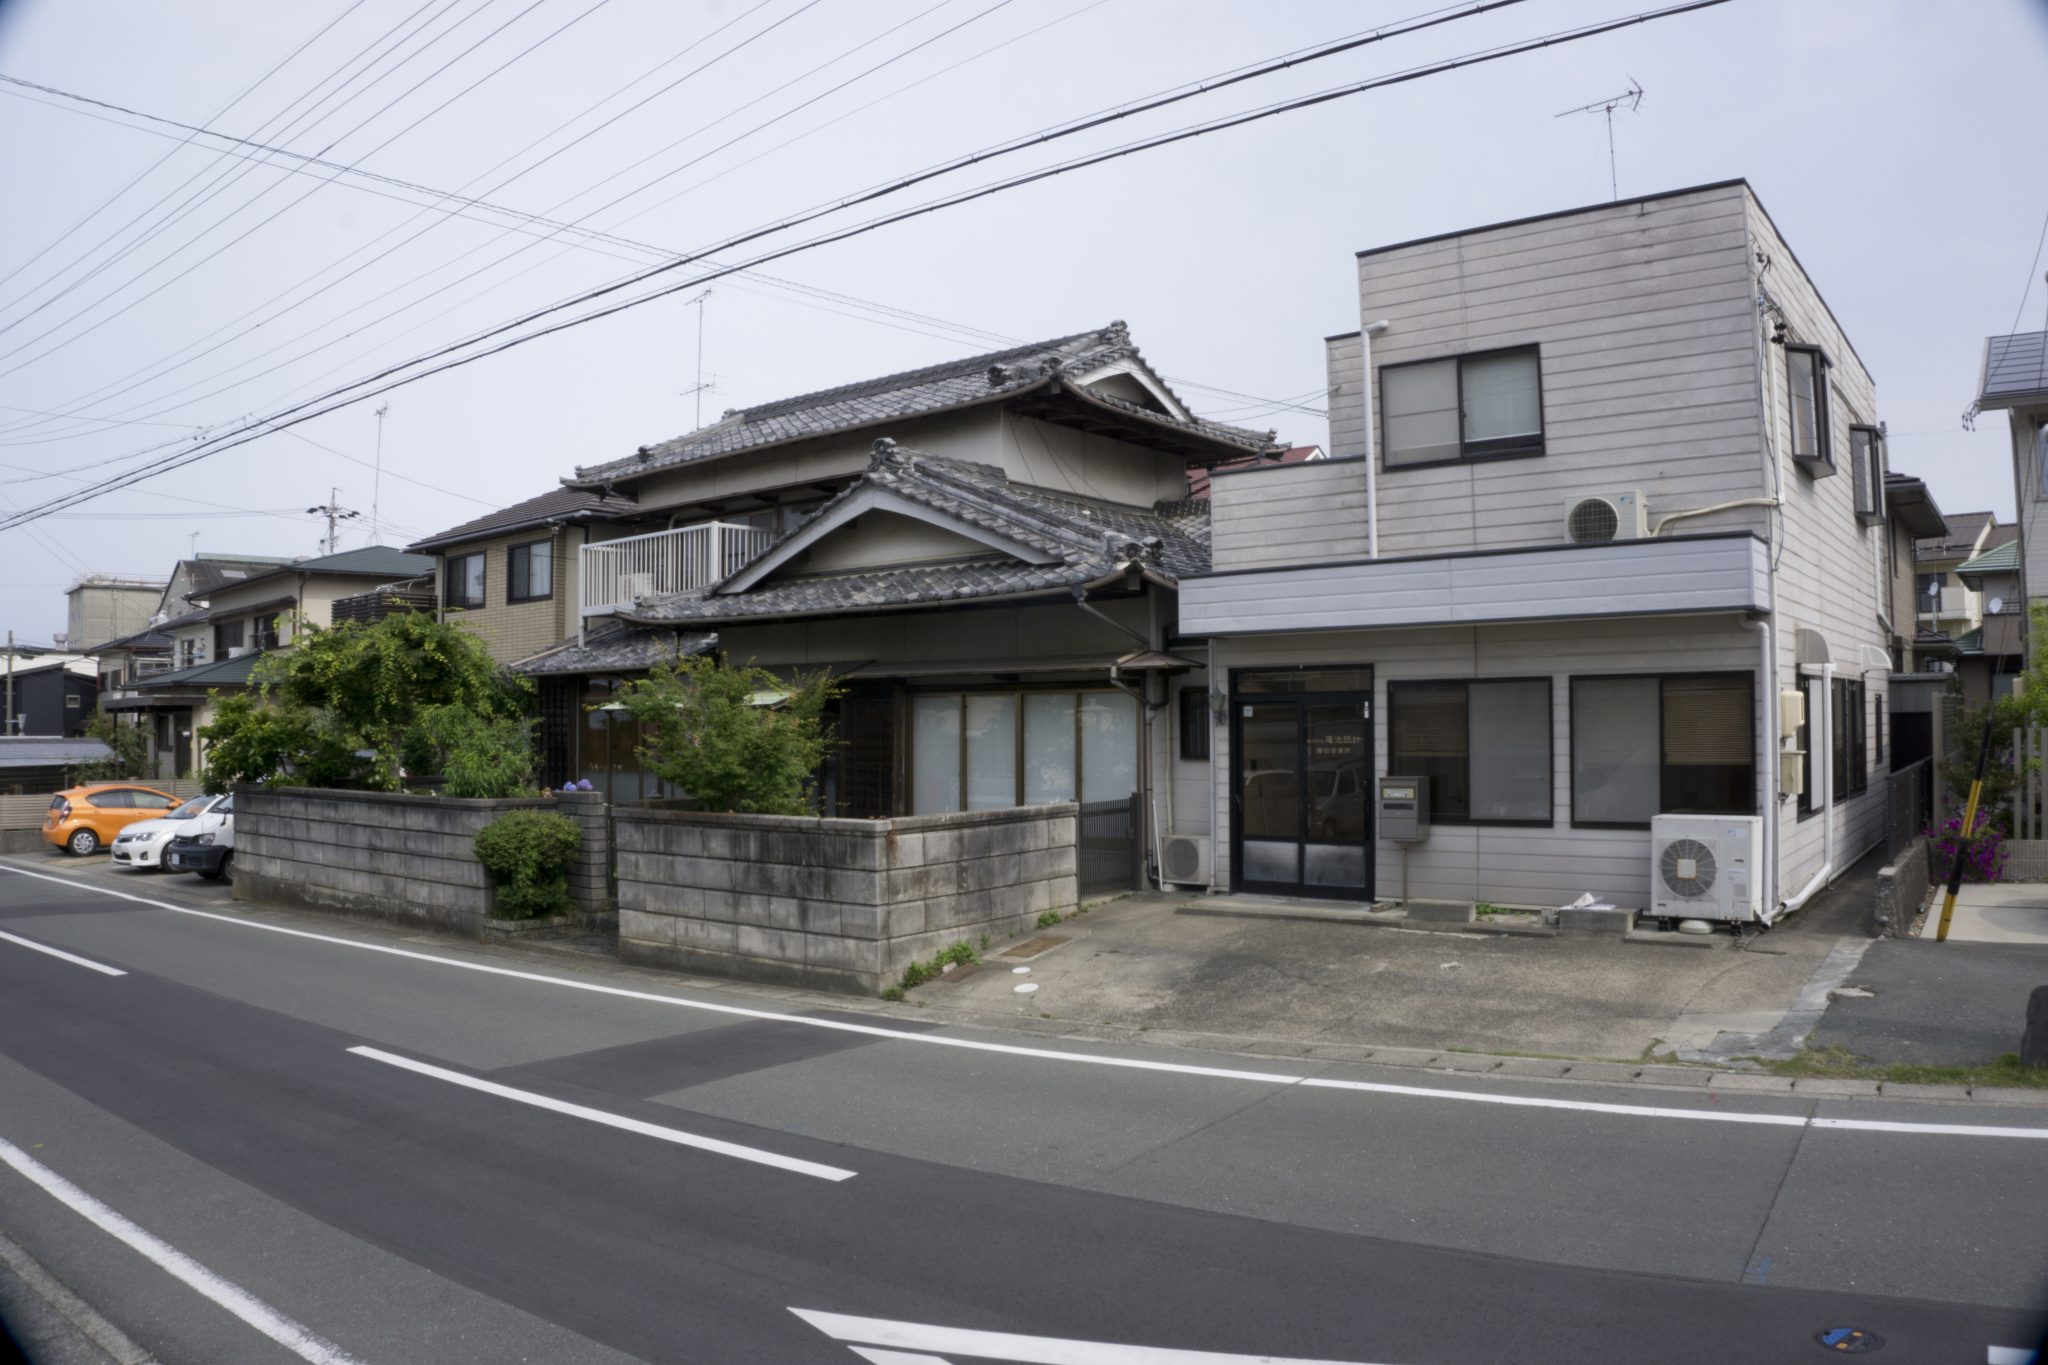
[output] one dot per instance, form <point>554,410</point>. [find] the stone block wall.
<point>833,904</point>
<point>1901,890</point>
<point>406,858</point>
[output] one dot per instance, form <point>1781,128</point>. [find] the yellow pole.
<point>1948,899</point>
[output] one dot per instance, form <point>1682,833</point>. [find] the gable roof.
<point>208,574</point>
<point>1963,530</point>
<point>2015,372</point>
<point>1081,543</point>
<point>384,563</point>
<point>1045,367</point>
<point>2004,558</point>
<point>561,504</point>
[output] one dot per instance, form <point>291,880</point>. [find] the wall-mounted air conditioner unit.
<point>1707,867</point>
<point>1184,860</point>
<point>1598,518</point>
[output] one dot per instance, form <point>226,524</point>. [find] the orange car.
<point>86,819</point>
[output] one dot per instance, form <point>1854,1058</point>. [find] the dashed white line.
<point>654,1130</point>
<point>301,1341</point>
<point>85,962</point>
<point>1091,1059</point>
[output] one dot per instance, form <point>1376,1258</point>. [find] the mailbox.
<point>1404,809</point>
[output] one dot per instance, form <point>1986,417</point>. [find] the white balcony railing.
<point>616,573</point>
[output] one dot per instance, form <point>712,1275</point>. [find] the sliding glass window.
<point>1678,743</point>
<point>994,750</point>
<point>1484,745</point>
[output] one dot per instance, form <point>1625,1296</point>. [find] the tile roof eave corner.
<point>1196,429</point>
<point>880,608</point>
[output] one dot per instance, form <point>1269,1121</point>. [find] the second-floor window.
<point>227,635</point>
<point>191,650</point>
<point>1806,390</point>
<point>464,584</point>
<point>266,631</point>
<point>1866,458</point>
<point>1486,406</point>
<point>530,571</point>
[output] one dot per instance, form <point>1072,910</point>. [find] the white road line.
<point>654,1130</point>
<point>2011,1355</point>
<point>87,963</point>
<point>1079,1058</point>
<point>1011,1347</point>
<point>299,1340</point>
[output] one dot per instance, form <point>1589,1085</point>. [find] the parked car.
<point>86,819</point>
<point>142,844</point>
<point>209,852</point>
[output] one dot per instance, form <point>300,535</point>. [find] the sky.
<point>156,285</point>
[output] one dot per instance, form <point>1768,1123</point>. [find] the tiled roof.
<point>562,504</point>
<point>617,647</point>
<point>1963,530</point>
<point>210,575</point>
<point>1198,479</point>
<point>995,376</point>
<point>2003,558</point>
<point>386,563</point>
<point>219,673</point>
<point>42,751</point>
<point>1088,541</point>
<point>2015,371</point>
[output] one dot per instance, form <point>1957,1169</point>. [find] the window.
<point>1805,743</point>
<point>1679,744</point>
<point>1866,454</point>
<point>73,702</point>
<point>1485,747</point>
<point>1878,748</point>
<point>142,800</point>
<point>227,635</point>
<point>465,581</point>
<point>266,631</point>
<point>1474,407</point>
<point>2041,458</point>
<point>1851,756</point>
<point>529,572</point>
<point>191,651</point>
<point>1194,724</point>
<point>1806,388</point>
<point>995,750</point>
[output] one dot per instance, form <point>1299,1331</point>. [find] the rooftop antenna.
<point>377,475</point>
<point>1633,98</point>
<point>698,389</point>
<point>335,514</point>
<point>193,553</point>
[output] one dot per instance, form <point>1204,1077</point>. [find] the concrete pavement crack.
<point>1266,1093</point>
<point>1771,1209</point>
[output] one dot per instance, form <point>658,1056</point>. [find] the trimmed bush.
<point>528,854</point>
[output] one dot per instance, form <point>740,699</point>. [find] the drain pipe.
<point>1767,763</point>
<point>1822,747</point>
<point>1218,829</point>
<point>1372,487</point>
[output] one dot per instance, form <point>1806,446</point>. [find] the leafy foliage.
<point>528,854</point>
<point>1983,851</point>
<point>706,730</point>
<point>362,705</point>
<point>479,755</point>
<point>130,750</point>
<point>955,955</point>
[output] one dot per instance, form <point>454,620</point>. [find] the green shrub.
<point>477,754</point>
<point>528,854</point>
<point>736,738</point>
<point>128,751</point>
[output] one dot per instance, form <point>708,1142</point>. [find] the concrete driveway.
<point>1173,963</point>
<point>2005,912</point>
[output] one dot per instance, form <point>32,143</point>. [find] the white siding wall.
<point>1344,357</point>
<point>1288,514</point>
<point>1642,313</point>
<point>2033,506</point>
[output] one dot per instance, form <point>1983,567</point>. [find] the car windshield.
<point>196,806</point>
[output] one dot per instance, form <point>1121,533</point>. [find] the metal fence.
<point>2030,775</point>
<point>1908,796</point>
<point>1110,856</point>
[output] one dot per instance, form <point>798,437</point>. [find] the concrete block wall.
<point>1900,891</point>
<point>833,904</point>
<point>590,880</point>
<point>406,858</point>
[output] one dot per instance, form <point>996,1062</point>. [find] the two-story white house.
<point>2014,380</point>
<point>1604,501</point>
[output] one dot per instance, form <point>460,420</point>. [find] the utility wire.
<point>343,396</point>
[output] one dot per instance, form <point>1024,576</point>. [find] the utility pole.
<point>10,682</point>
<point>335,514</point>
<point>377,478</point>
<point>1633,98</point>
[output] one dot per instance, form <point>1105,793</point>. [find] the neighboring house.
<point>217,647</point>
<point>1912,517</point>
<point>1603,485</point>
<point>1944,602</point>
<point>2014,380</point>
<point>36,764</point>
<point>1198,479</point>
<point>197,579</point>
<point>1992,655</point>
<point>52,695</point>
<point>104,607</point>
<point>984,552</point>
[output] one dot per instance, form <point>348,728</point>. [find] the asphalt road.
<point>279,1137</point>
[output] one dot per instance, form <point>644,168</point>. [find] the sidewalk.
<point>2005,912</point>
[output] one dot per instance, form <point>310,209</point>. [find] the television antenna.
<point>335,514</point>
<point>1633,98</point>
<point>700,386</point>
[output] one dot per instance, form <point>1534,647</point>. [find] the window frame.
<point>1572,701</point>
<point>1851,740</point>
<point>513,577</point>
<point>266,632</point>
<point>1465,454</point>
<point>1395,686</point>
<point>1017,693</point>
<point>1192,718</point>
<point>1820,463</point>
<point>452,578</point>
<point>1868,467</point>
<point>222,639</point>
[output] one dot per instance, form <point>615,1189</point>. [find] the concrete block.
<point>1675,1075</point>
<point>2013,1095</point>
<point>1616,923</point>
<point>843,954</point>
<point>1440,912</point>
<point>778,945</point>
<point>1946,1094</point>
<point>1603,1071</point>
<point>1743,1080</point>
<point>919,883</point>
<point>1844,1088</point>
<point>822,917</point>
<point>865,921</point>
<point>1537,1067</point>
<point>708,935</point>
<point>646,927</point>
<point>902,850</point>
<point>1404,1056</point>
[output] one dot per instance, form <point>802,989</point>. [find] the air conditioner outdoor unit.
<point>1707,867</point>
<point>1601,517</point>
<point>1184,860</point>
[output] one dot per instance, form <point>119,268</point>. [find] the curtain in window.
<point>1709,745</point>
<point>1428,735</point>
<point>1048,747</point>
<point>1109,746</point>
<point>1615,760</point>
<point>1500,398</point>
<point>1419,405</point>
<point>935,754</point>
<point>991,750</point>
<point>1510,740</point>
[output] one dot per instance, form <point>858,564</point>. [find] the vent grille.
<point>1182,860</point>
<point>1687,867</point>
<point>1593,521</point>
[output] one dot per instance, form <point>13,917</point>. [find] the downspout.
<point>1214,832</point>
<point>1767,764</point>
<point>1372,485</point>
<point>1823,750</point>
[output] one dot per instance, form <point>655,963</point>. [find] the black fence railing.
<point>1110,854</point>
<point>1908,799</point>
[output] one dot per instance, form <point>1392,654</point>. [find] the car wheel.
<point>227,870</point>
<point>83,843</point>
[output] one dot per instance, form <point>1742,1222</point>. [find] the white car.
<point>142,844</point>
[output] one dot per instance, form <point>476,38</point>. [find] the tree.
<point>361,705</point>
<point>737,739</point>
<point>128,746</point>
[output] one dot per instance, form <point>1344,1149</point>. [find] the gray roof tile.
<point>561,504</point>
<point>616,647</point>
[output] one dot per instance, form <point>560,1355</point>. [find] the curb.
<point>91,1332</point>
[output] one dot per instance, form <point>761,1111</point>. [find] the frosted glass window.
<point>935,754</point>
<point>1511,750</point>
<point>991,750</point>
<point>1048,747</point>
<point>1806,387</point>
<point>1501,399</point>
<point>1109,746</point>
<point>1616,750</point>
<point>1419,405</point>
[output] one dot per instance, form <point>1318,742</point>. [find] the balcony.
<point>617,573</point>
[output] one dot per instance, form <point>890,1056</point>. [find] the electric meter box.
<point>1404,809</point>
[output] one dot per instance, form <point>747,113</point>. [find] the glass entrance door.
<point>1301,775</point>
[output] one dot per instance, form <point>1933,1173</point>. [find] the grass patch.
<point>917,973</point>
<point>1485,908</point>
<point>1048,919</point>
<point>1837,1063</point>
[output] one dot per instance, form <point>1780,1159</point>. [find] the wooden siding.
<point>1642,317</point>
<point>1288,514</point>
<point>1639,577</point>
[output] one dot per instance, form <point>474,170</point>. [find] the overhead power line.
<point>377,383</point>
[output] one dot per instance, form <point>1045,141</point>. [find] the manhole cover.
<point>1849,1341</point>
<point>1032,947</point>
